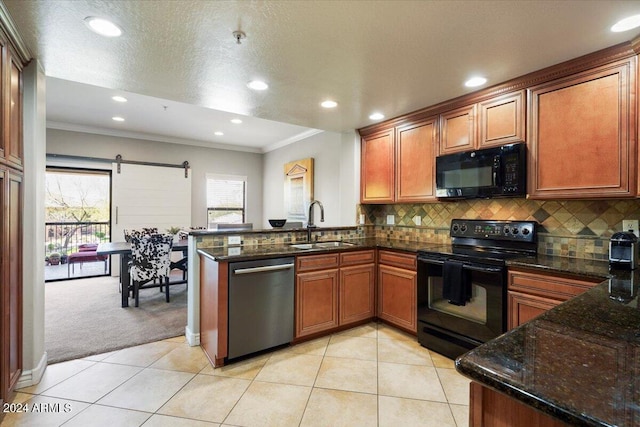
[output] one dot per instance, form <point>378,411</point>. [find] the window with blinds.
<point>226,199</point>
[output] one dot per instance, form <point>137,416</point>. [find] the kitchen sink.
<point>302,246</point>
<point>320,245</point>
<point>332,244</point>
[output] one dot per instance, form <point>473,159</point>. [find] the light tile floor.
<point>371,375</point>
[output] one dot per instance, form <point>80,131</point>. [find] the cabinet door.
<point>502,120</point>
<point>416,150</point>
<point>458,130</point>
<point>13,146</point>
<point>316,301</point>
<point>581,142</point>
<point>11,286</point>
<point>357,293</point>
<point>376,169</point>
<point>397,297</point>
<point>524,307</point>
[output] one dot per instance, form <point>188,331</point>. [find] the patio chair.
<point>150,261</point>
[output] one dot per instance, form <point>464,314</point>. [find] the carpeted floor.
<point>84,317</point>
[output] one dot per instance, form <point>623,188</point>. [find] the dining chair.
<point>150,261</point>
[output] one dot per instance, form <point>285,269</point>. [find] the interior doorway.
<point>77,218</point>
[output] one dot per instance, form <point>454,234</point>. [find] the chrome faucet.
<point>310,223</point>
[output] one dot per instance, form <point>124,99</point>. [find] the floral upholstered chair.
<point>150,260</point>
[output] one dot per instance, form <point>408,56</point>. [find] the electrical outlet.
<point>417,220</point>
<point>361,219</point>
<point>233,251</point>
<point>630,225</point>
<point>234,240</point>
<point>391,219</point>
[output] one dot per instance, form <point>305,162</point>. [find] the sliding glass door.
<point>77,218</point>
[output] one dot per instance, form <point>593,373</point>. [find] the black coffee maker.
<point>623,251</point>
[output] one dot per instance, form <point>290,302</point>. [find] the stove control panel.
<point>522,231</point>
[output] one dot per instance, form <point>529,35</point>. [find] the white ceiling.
<point>389,56</point>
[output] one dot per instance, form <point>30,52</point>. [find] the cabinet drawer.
<point>549,286</point>
<point>398,259</point>
<point>359,257</point>
<point>317,262</point>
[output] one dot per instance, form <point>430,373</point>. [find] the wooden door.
<point>502,120</point>
<point>397,297</point>
<point>377,168</point>
<point>581,135</point>
<point>357,293</point>
<point>11,286</point>
<point>458,130</point>
<point>416,151</point>
<point>13,145</point>
<point>316,301</point>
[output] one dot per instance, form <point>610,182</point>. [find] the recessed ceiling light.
<point>236,121</point>
<point>119,98</point>
<point>376,116</point>
<point>102,26</point>
<point>475,81</point>
<point>626,24</point>
<point>117,119</point>
<point>329,104</point>
<point>257,85</point>
<point>218,133</point>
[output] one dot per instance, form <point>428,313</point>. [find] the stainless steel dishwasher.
<point>260,305</point>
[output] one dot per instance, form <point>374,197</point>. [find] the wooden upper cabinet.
<point>377,168</point>
<point>13,148</point>
<point>458,129</point>
<point>502,120</point>
<point>581,134</point>
<point>398,164</point>
<point>416,150</point>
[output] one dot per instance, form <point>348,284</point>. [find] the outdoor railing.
<point>65,237</point>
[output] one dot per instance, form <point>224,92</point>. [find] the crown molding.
<point>15,39</point>
<point>299,137</point>
<point>147,137</point>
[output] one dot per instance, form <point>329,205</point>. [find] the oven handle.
<point>482,269</point>
<point>465,266</point>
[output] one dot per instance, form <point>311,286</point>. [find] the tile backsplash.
<point>571,228</point>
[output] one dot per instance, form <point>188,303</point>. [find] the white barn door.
<point>148,196</point>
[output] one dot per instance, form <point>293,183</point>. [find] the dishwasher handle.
<point>263,269</point>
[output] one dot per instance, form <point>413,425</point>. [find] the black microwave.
<point>485,173</point>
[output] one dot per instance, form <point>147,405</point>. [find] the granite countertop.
<point>206,232</point>
<point>580,361</point>
<point>243,253</point>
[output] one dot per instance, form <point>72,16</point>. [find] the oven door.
<point>453,329</point>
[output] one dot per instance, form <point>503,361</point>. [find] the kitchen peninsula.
<point>577,364</point>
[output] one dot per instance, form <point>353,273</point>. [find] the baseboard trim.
<point>33,376</point>
<point>192,339</point>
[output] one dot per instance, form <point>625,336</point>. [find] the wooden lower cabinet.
<point>532,293</point>
<point>357,293</point>
<point>11,283</point>
<point>214,309</point>
<point>488,408</point>
<point>316,302</point>
<point>397,290</point>
<point>333,290</point>
<point>524,307</point>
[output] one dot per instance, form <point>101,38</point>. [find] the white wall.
<point>33,352</point>
<point>202,161</point>
<point>336,180</point>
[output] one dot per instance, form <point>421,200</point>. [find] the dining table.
<point>124,250</point>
